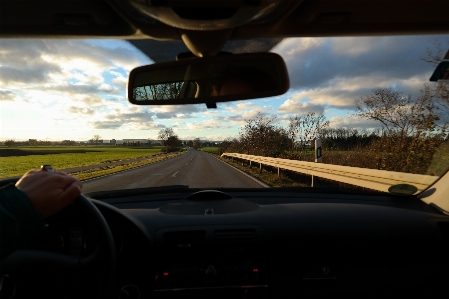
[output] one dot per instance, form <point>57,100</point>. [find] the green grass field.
<point>15,161</point>
<point>212,150</point>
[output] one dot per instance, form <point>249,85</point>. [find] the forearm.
<point>18,220</point>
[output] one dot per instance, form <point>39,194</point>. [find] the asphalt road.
<point>195,169</point>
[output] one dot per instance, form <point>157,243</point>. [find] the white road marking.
<point>244,173</point>
<point>174,175</point>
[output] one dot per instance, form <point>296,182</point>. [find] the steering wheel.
<point>21,260</point>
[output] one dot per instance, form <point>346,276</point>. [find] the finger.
<point>69,180</point>
<point>31,178</point>
<point>69,194</point>
<point>32,171</point>
<point>61,172</point>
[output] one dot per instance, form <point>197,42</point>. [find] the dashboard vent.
<point>176,236</point>
<point>236,235</point>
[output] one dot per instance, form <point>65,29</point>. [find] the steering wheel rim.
<point>24,258</point>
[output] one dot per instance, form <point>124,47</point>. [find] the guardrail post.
<point>318,158</point>
<point>279,175</point>
<point>260,168</point>
<point>250,165</point>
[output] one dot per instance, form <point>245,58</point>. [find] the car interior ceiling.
<point>112,19</point>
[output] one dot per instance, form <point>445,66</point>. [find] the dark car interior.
<point>179,242</point>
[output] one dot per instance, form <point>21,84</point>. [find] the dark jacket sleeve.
<point>18,220</point>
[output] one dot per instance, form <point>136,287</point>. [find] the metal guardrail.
<point>380,180</point>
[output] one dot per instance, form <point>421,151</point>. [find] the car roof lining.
<point>104,19</point>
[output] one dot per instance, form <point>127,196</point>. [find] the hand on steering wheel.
<point>22,260</point>
<point>50,192</point>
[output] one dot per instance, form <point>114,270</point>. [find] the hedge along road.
<point>195,169</point>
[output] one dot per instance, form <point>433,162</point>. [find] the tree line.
<point>412,130</point>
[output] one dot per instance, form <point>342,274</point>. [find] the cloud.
<point>141,116</point>
<point>22,63</point>
<point>79,110</point>
<point>90,100</point>
<point>211,124</point>
<point>136,118</point>
<point>295,106</point>
<point>316,63</point>
<point>69,66</point>
<point>317,99</point>
<point>7,95</point>
<point>342,93</point>
<point>246,110</point>
<point>179,111</point>
<point>350,121</point>
<point>106,124</point>
<point>119,80</point>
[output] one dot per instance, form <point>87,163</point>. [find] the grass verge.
<point>268,175</point>
<point>210,150</point>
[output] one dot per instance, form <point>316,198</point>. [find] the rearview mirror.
<point>209,80</point>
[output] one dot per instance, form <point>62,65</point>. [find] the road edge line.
<point>241,171</point>
<point>103,176</point>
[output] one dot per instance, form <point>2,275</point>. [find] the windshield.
<point>363,102</point>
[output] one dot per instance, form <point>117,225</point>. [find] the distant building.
<point>133,142</point>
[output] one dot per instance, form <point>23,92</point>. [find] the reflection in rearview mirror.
<point>165,91</point>
<point>207,80</point>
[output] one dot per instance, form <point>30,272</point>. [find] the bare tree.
<point>261,137</point>
<point>10,142</point>
<point>302,130</point>
<point>435,54</point>
<point>399,114</point>
<point>196,143</point>
<point>96,138</point>
<point>389,107</point>
<point>165,134</point>
<point>438,90</point>
<point>173,142</point>
<point>411,131</point>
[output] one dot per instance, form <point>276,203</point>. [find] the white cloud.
<point>7,95</point>
<point>296,106</point>
<point>246,110</point>
<point>291,48</point>
<point>119,80</point>
<point>354,46</point>
<point>350,121</point>
<point>80,110</point>
<point>212,124</point>
<point>317,63</point>
<point>178,111</point>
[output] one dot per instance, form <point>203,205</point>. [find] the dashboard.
<point>263,243</point>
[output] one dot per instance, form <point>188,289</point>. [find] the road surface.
<point>194,168</point>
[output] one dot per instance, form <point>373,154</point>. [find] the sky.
<point>75,89</point>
